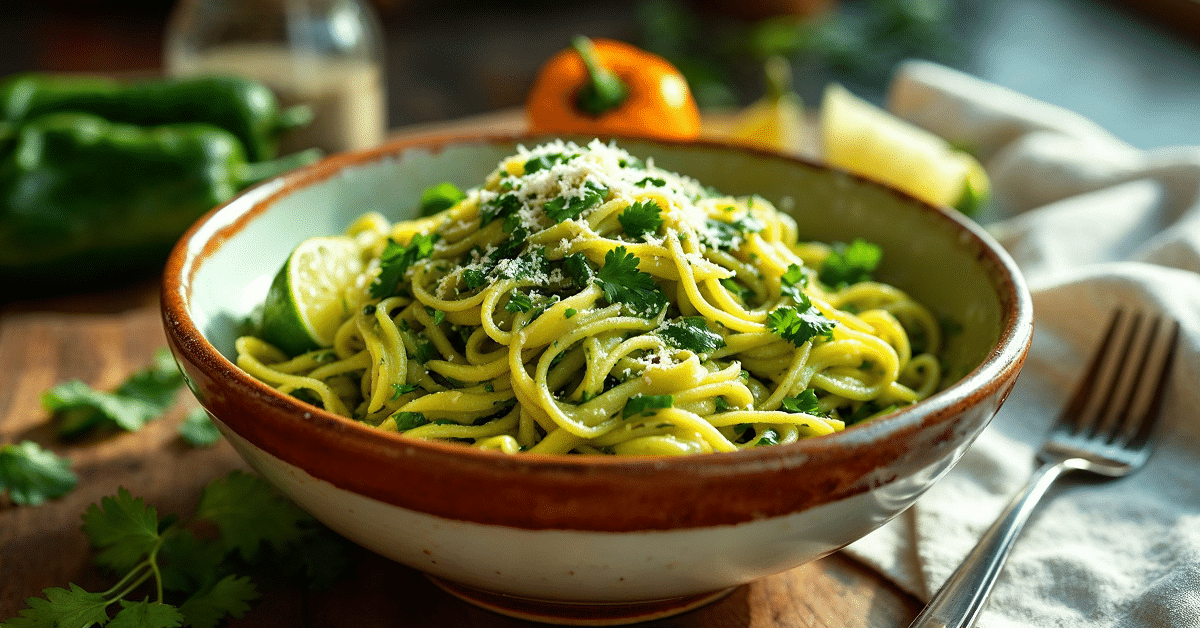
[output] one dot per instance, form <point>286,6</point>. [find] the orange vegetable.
<point>610,87</point>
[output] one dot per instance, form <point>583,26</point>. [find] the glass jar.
<point>327,54</point>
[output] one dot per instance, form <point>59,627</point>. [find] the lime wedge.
<point>316,289</point>
<point>870,141</point>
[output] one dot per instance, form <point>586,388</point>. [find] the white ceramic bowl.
<point>595,539</point>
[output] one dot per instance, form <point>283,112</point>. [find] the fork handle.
<point>958,603</point>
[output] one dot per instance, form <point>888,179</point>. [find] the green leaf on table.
<point>230,596</point>
<point>198,429</point>
<point>142,398</point>
<point>62,607</point>
<point>146,614</point>
<point>123,528</point>
<point>32,475</point>
<point>249,513</point>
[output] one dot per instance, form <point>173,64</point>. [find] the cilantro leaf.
<point>518,302</point>
<point>641,218</point>
<point>623,283</point>
<point>188,563</point>
<point>62,607</point>
<point>229,596</point>
<point>440,197</point>
<point>408,420</point>
<point>691,334</point>
<point>198,429</point>
<point>123,528</point>
<point>146,614</point>
<point>395,260</point>
<point>562,208</point>
<point>145,396</point>
<point>851,264</point>
<point>31,475</point>
<point>793,282</point>
<point>805,403</point>
<point>646,404</point>
<point>249,513</point>
<point>545,162</point>
<point>578,268</point>
<point>655,181</point>
<point>499,207</point>
<point>767,437</point>
<point>730,235</point>
<point>399,390</point>
<point>799,324</point>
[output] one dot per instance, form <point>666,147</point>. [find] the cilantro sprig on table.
<point>31,475</point>
<point>143,397</point>
<point>170,576</point>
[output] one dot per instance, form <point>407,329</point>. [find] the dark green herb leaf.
<point>578,268</point>
<point>793,282</point>
<point>623,283</point>
<point>146,614</point>
<point>655,181</point>
<point>641,218</point>
<point>691,334</point>
<point>646,404</point>
<point>768,437</point>
<point>562,208</point>
<point>799,324</point>
<point>32,475</point>
<point>399,390</point>
<point>249,514</point>
<point>198,429</point>
<point>499,207</point>
<point>805,403</point>
<point>545,162</point>
<point>230,596</point>
<point>123,528</point>
<point>142,398</point>
<point>850,265</point>
<point>518,302</point>
<point>440,197</point>
<point>408,420</point>
<point>396,259</point>
<point>63,607</point>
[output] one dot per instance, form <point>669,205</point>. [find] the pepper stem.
<point>603,90</point>
<point>253,173</point>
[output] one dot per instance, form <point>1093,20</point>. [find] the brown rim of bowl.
<point>998,369</point>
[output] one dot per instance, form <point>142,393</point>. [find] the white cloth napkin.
<point>1094,224</point>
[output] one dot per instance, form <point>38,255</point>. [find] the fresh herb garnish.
<point>691,334</point>
<point>396,259</point>
<point>518,302</point>
<point>440,197</point>
<point>793,282</point>
<point>31,475</point>
<point>143,397</point>
<point>545,162</point>
<point>408,420</point>
<point>562,208</point>
<point>655,181</point>
<point>851,264</point>
<point>646,404</point>
<point>192,575</point>
<point>623,283</point>
<point>801,323</point>
<point>578,268</point>
<point>641,218</point>
<point>804,403</point>
<point>198,429</point>
<point>499,207</point>
<point>399,390</point>
<point>767,437</point>
<point>730,235</point>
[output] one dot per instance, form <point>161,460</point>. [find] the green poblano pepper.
<point>244,107</point>
<point>84,200</point>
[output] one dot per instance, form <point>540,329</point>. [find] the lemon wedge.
<point>314,291</point>
<point>775,121</point>
<point>869,141</point>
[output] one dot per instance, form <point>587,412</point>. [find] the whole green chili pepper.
<point>84,200</point>
<point>246,108</point>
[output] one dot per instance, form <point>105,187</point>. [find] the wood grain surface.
<point>102,338</point>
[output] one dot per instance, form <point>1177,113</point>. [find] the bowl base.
<point>577,613</point>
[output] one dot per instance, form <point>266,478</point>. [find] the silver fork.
<point>1107,429</point>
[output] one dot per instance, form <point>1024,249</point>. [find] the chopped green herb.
<point>32,475</point>
<point>805,403</point>
<point>722,405</point>
<point>570,312</point>
<point>730,235</point>
<point>641,218</point>
<point>440,197</point>
<point>655,181</point>
<point>578,268</point>
<point>767,437</point>
<point>622,282</point>
<point>399,390</point>
<point>562,208</point>
<point>425,352</point>
<point>735,288</point>
<point>396,259</point>
<point>518,302</point>
<point>691,334</point>
<point>545,162</point>
<point>799,324</point>
<point>646,404</point>
<point>408,420</point>
<point>499,207</point>
<point>198,429</point>
<point>437,315</point>
<point>851,264</point>
<point>793,282</point>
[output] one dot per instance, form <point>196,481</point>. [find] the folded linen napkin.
<point>1094,224</point>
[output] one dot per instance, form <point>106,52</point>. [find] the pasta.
<point>584,301</point>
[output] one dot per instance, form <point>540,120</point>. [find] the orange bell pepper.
<point>610,87</point>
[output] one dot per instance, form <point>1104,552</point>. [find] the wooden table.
<point>101,338</point>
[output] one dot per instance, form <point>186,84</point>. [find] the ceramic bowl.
<point>595,539</point>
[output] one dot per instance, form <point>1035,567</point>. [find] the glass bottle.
<point>327,54</point>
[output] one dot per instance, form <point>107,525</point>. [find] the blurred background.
<point>1133,66</point>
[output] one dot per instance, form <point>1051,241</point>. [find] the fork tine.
<point>1139,427</point>
<point>1081,411</point>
